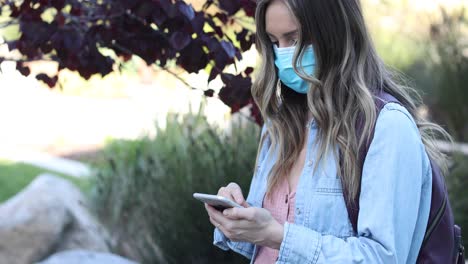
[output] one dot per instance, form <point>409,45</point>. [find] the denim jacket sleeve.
<point>244,248</point>
<point>394,172</point>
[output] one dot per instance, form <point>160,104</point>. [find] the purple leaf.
<point>72,40</point>
<point>223,17</point>
<point>242,35</point>
<point>179,40</point>
<point>249,7</point>
<point>24,70</point>
<point>229,48</point>
<point>36,33</point>
<point>58,4</point>
<point>230,6</point>
<point>238,55</point>
<point>76,10</point>
<point>158,16</point>
<point>209,93</point>
<point>217,29</point>
<point>213,74</point>
<point>12,45</point>
<point>198,23</point>
<point>145,10</point>
<point>207,4</point>
<point>193,58</point>
<point>169,8</point>
<point>236,92</point>
<point>248,70</point>
<point>186,10</point>
<point>246,39</point>
<point>50,81</point>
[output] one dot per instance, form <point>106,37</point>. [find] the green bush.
<point>443,76</point>
<point>144,188</point>
<point>443,73</point>
<point>457,184</point>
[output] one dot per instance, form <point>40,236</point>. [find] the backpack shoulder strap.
<point>352,205</point>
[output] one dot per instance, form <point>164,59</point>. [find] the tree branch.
<point>455,147</point>
<point>193,88</point>
<point>175,75</point>
<point>9,23</point>
<point>28,60</point>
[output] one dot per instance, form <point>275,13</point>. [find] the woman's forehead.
<point>279,19</point>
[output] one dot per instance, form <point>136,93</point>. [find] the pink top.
<point>281,206</point>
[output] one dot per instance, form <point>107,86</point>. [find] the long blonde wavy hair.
<point>349,74</point>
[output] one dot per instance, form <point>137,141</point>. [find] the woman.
<point>319,75</point>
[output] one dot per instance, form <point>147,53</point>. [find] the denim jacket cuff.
<point>220,240</point>
<point>243,248</point>
<point>299,245</point>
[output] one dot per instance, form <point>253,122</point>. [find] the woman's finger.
<point>236,192</point>
<point>226,193</point>
<point>240,213</point>
<point>213,222</point>
<point>216,215</point>
<point>209,209</point>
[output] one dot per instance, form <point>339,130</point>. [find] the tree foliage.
<point>73,33</point>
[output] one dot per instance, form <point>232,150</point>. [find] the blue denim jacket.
<point>394,201</point>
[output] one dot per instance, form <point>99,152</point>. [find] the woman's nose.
<point>284,44</point>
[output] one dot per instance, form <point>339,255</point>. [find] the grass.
<point>16,176</point>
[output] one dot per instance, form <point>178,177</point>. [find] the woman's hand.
<point>233,192</point>
<point>254,225</point>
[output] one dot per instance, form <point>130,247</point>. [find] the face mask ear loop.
<point>278,89</point>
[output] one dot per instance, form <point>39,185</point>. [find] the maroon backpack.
<point>442,242</point>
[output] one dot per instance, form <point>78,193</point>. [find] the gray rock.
<point>48,216</point>
<point>29,227</point>
<point>85,257</point>
<point>84,231</point>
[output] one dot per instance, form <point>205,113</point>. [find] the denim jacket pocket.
<point>328,185</point>
<point>327,206</point>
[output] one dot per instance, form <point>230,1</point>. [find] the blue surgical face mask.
<point>287,75</point>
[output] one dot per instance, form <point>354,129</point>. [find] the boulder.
<point>48,216</point>
<point>85,257</point>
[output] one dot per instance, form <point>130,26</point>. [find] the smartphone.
<point>218,202</point>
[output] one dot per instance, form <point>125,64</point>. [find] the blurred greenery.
<point>15,176</point>
<point>397,31</point>
<point>457,184</point>
<point>10,32</point>
<point>442,74</point>
<point>144,190</point>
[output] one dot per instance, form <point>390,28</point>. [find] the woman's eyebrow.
<point>271,36</point>
<point>285,35</point>
<point>290,33</point>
